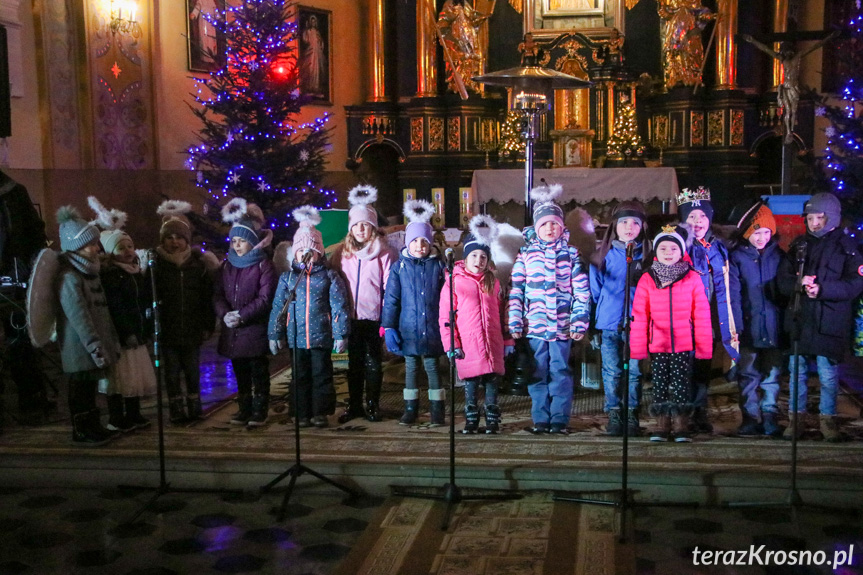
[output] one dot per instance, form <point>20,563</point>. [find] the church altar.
<point>581,185</point>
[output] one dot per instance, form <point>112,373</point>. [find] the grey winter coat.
<point>84,324</point>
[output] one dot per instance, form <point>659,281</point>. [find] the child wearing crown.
<point>549,304</point>
<point>710,259</point>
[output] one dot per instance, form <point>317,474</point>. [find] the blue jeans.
<point>758,368</point>
<point>551,386</point>
<point>612,370</point>
<point>828,373</point>
<point>412,367</point>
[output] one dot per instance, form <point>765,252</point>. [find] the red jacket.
<point>671,319</point>
<point>479,326</point>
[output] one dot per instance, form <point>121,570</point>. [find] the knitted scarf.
<point>178,258</point>
<point>249,259</point>
<point>84,265</point>
<point>666,275</point>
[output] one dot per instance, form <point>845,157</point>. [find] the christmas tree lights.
<point>251,144</point>
<point>511,139</point>
<point>624,140</point>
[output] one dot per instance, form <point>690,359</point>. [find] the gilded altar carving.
<point>436,134</point>
<point>453,134</point>
<point>459,28</point>
<point>682,47</point>
<point>715,128</point>
<point>416,134</point>
<point>736,127</point>
<point>696,128</point>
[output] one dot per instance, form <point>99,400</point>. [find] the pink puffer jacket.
<point>672,319</point>
<point>479,325</point>
<point>366,273</point>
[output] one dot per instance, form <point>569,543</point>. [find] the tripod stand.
<point>164,487</point>
<point>450,492</point>
<point>298,469</point>
<point>622,497</point>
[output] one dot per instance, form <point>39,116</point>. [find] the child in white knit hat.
<point>320,324</point>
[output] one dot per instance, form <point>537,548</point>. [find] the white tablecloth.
<point>582,185</point>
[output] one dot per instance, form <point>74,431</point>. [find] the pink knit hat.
<point>307,237</point>
<point>360,198</point>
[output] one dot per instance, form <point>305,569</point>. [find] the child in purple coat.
<point>243,298</point>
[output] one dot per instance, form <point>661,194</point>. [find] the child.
<point>549,304</point>
<point>88,341</point>
<point>243,299</point>
<point>321,322</point>
<point>671,319</point>
<point>480,340</point>
<point>184,287</point>
<point>364,258</point>
<point>831,280</point>
<point>754,262</point>
<point>607,282</point>
<point>710,259</point>
<point>411,309</point>
<point>129,297</point>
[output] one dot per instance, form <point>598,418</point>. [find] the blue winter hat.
<point>75,232</point>
<point>246,219</point>
<point>483,233</point>
<point>545,209</point>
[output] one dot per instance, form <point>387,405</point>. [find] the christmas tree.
<point>511,139</point>
<point>251,145</point>
<point>624,140</point>
<point>842,162</point>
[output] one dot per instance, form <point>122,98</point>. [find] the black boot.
<point>98,429</point>
<point>614,427</point>
<point>373,412</point>
<point>83,433</point>
<point>633,427</point>
<point>437,407</point>
<point>471,419</point>
<point>352,412</point>
<point>133,413</point>
<point>492,418</point>
<point>411,405</point>
<point>194,407</point>
<point>176,410</point>
<point>260,410</point>
<point>117,420</point>
<point>244,411</point>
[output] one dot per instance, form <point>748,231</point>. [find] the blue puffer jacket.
<point>323,312</point>
<point>412,303</point>
<point>607,285</point>
<point>710,260</point>
<point>756,300</point>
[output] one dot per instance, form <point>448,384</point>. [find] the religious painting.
<point>314,28</point>
<point>571,7</point>
<point>206,44</point>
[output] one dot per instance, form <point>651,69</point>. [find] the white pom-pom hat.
<point>545,209</point>
<point>361,199</point>
<point>307,236</point>
<point>174,220</point>
<point>483,233</point>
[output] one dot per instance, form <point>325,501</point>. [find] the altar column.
<point>376,46</point>
<point>426,49</point>
<point>726,47</point>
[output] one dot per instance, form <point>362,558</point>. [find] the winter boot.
<point>614,427</point>
<point>352,412</point>
<point>633,427</point>
<point>411,405</point>
<point>830,429</point>
<point>770,425</point>
<point>681,429</point>
<point>663,428</point>
<point>133,413</point>
<point>176,411</point>
<point>97,427</point>
<point>194,407</point>
<point>699,422</point>
<point>800,418</point>
<point>492,418</point>
<point>244,411</point>
<point>749,427</point>
<point>437,407</point>
<point>83,432</point>
<point>471,419</point>
<point>260,410</point>
<point>373,411</point>
<point>373,397</point>
<point>117,420</point>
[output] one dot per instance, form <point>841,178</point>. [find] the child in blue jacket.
<point>607,284</point>
<point>411,308</point>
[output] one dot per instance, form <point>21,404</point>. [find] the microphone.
<point>450,258</point>
<point>151,258</point>
<point>307,258</point>
<point>801,253</point>
<point>630,250</point>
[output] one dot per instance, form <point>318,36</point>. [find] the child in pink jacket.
<point>671,320</point>
<point>480,340</point>
<point>364,259</point>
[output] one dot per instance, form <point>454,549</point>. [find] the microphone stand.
<point>164,487</point>
<point>623,497</point>
<point>298,468</point>
<point>450,492</point>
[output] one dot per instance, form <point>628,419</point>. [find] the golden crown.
<point>690,196</point>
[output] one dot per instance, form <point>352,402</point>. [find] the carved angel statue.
<point>682,48</point>
<point>459,24</point>
<point>788,95</point>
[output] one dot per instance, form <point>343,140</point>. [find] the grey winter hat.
<point>75,232</point>
<point>827,204</point>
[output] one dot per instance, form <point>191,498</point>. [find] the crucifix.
<point>788,95</point>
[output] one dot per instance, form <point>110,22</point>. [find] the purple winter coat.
<point>250,291</point>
